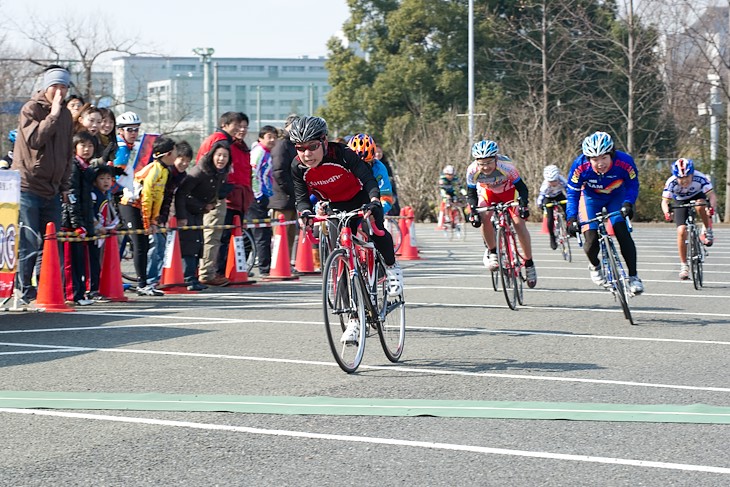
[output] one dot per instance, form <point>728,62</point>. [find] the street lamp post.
<point>205,54</point>
<point>471,72</point>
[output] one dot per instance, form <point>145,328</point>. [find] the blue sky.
<point>268,28</point>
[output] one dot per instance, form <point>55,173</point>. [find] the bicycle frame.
<point>695,251</point>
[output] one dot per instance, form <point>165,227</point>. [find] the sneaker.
<point>96,297</point>
<point>149,291</point>
<point>683,272</point>
<point>218,281</point>
<point>352,332</point>
<point>635,285</point>
<point>196,286</point>
<point>490,261</point>
<point>597,275</point>
<point>531,276</point>
<point>395,280</point>
<point>708,237</point>
<point>83,302</point>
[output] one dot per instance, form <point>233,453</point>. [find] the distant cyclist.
<point>491,178</point>
<point>606,178</point>
<point>449,190</point>
<point>687,184</point>
<point>552,190</point>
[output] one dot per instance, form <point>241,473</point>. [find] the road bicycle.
<point>696,251</point>
<point>560,229</point>
<point>617,280</point>
<point>355,287</point>
<point>511,272</point>
<point>454,219</point>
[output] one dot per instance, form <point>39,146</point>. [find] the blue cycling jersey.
<point>618,185</point>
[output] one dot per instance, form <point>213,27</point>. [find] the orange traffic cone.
<point>409,245</point>
<point>110,280</point>
<point>305,259</point>
<point>280,262</point>
<point>50,284</point>
<point>545,228</point>
<point>172,280</point>
<point>236,269</point>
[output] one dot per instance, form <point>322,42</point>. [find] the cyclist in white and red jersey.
<point>334,173</point>
<point>685,185</point>
<point>491,178</point>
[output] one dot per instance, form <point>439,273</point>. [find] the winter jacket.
<point>282,156</point>
<point>43,148</point>
<point>79,211</point>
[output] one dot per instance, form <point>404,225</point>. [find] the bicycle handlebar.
<point>690,204</point>
<point>555,203</point>
<point>498,206</point>
<point>604,215</point>
<point>342,215</point>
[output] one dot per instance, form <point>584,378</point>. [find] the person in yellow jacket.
<point>146,201</point>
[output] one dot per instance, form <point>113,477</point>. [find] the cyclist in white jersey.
<point>686,184</point>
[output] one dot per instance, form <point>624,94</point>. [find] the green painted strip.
<point>697,413</point>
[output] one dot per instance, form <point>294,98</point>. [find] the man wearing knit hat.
<point>43,154</point>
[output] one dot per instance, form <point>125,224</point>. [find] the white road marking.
<point>377,441</point>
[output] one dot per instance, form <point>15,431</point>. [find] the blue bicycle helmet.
<point>683,167</point>
<point>11,136</point>
<point>597,144</point>
<point>484,149</point>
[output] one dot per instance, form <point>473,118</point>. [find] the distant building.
<point>167,92</point>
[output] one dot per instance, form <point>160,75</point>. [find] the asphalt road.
<point>567,348</point>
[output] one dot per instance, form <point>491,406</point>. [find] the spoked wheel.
<point>519,272</point>
<point>506,270</point>
<point>695,259</point>
<point>619,282</point>
<point>250,249</point>
<point>327,239</point>
<point>561,236</point>
<point>391,322</point>
<point>495,280</point>
<point>343,300</point>
<point>394,230</point>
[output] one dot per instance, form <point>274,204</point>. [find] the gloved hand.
<point>710,211</point>
<point>524,212</point>
<point>475,219</point>
<point>80,232</point>
<point>628,210</point>
<point>573,228</point>
<point>305,217</point>
<point>668,216</point>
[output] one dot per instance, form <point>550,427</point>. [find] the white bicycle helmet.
<point>597,144</point>
<point>551,173</point>
<point>128,118</point>
<point>449,170</point>
<point>484,149</point>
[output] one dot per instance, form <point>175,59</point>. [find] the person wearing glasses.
<point>333,173</point>
<point>492,178</point>
<point>605,178</point>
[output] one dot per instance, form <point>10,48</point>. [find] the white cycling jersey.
<point>673,190</point>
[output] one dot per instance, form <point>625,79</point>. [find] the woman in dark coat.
<point>196,196</point>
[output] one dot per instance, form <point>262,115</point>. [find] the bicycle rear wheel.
<point>391,315</point>
<point>495,280</point>
<point>506,270</point>
<point>343,299</point>
<point>618,281</point>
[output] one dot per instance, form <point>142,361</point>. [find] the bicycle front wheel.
<point>561,236</point>
<point>694,257</point>
<point>518,268</point>
<point>391,315</point>
<point>343,301</point>
<point>506,270</point>
<point>618,281</point>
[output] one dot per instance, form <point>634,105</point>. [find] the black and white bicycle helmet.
<point>128,118</point>
<point>308,128</point>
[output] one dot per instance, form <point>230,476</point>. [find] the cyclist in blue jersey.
<point>685,185</point>
<point>364,146</point>
<point>552,190</point>
<point>605,177</point>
